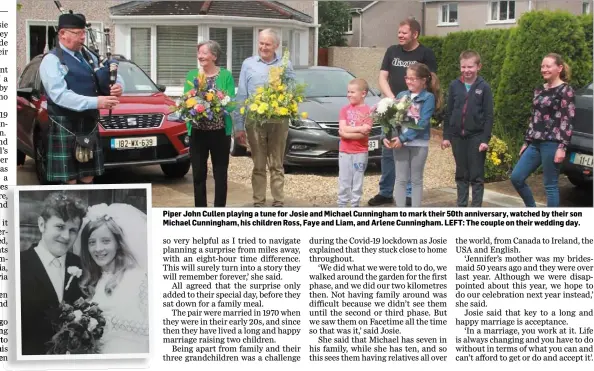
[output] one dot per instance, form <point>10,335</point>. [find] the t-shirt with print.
<point>355,116</point>
<point>396,61</point>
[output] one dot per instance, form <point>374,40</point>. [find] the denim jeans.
<point>536,154</point>
<point>388,178</point>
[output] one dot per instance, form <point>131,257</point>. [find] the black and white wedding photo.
<point>82,272</point>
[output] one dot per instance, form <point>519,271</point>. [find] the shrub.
<point>448,66</point>
<point>434,43</point>
<point>498,162</point>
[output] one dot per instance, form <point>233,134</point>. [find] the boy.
<point>467,127</point>
<point>353,128</point>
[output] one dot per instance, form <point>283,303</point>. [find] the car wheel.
<point>21,156</point>
<point>579,181</point>
<point>237,150</point>
<point>178,170</point>
<point>40,158</point>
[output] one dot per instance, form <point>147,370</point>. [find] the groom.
<point>44,271</point>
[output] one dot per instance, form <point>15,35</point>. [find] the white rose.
<point>92,324</point>
<point>225,100</point>
<point>77,315</point>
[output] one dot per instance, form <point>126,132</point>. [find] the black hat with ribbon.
<point>70,20</point>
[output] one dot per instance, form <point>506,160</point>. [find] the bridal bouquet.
<point>80,326</point>
<point>279,98</point>
<point>396,116</point>
<point>204,101</point>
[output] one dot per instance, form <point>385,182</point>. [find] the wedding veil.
<point>132,222</point>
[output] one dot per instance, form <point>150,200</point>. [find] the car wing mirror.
<point>161,88</point>
<point>27,93</point>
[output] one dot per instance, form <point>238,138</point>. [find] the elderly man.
<point>76,90</point>
<point>267,140</point>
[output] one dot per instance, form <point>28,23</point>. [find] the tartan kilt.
<point>61,162</point>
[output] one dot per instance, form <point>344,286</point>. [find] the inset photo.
<point>82,284</point>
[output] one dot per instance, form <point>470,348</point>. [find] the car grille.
<point>332,129</point>
<point>162,151</point>
<point>122,122</point>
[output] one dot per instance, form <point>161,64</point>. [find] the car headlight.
<point>304,124</point>
<point>175,116</point>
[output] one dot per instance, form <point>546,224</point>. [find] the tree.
<point>333,18</point>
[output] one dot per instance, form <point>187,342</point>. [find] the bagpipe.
<point>103,61</point>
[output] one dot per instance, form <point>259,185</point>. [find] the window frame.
<point>586,7</point>
<point>349,25</point>
<point>500,21</point>
<point>440,10</point>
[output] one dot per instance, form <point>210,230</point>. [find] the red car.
<point>141,131</point>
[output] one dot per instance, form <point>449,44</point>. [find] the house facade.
<point>161,36</point>
<point>375,23</point>
<point>443,17</point>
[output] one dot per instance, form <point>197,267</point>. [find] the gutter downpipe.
<point>316,33</point>
<point>360,27</point>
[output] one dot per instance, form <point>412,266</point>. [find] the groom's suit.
<point>39,302</point>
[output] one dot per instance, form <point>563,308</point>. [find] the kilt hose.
<point>61,164</point>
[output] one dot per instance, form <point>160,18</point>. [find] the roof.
<point>250,9</point>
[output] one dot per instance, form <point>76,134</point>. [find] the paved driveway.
<point>180,192</point>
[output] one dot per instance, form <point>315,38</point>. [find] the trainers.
<point>379,200</point>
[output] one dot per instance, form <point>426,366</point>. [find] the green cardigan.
<point>224,82</point>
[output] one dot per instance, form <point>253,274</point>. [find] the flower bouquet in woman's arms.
<point>79,329</point>
<point>278,99</point>
<point>395,116</point>
<point>203,102</point>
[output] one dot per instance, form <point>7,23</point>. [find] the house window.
<point>141,48</point>
<point>449,13</point>
<point>503,10</point>
<point>220,36</point>
<point>586,7</point>
<point>243,47</point>
<point>176,55</point>
<point>349,25</point>
<point>37,39</point>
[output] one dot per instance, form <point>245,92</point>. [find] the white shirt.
<point>55,268</point>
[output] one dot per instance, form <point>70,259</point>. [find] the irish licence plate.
<point>131,143</point>
<point>373,145</point>
<point>582,160</point>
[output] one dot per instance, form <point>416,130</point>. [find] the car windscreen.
<point>135,80</point>
<point>324,83</point>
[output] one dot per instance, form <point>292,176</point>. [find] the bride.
<point>114,275</point>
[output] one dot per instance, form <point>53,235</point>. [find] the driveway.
<point>180,192</point>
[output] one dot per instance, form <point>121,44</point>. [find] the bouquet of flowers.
<point>204,101</point>
<point>396,116</point>
<point>80,327</point>
<point>279,98</point>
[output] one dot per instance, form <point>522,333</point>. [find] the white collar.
<point>46,257</point>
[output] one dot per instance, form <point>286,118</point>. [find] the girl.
<point>412,146</point>
<point>115,281</point>
<point>549,131</point>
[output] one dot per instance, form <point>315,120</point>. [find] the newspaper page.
<point>124,273</point>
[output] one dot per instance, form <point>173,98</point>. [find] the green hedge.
<point>511,61</point>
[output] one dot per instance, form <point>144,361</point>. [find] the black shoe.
<point>379,200</point>
<point>408,202</point>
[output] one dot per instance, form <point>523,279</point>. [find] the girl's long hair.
<point>422,72</point>
<point>565,74</point>
<point>91,271</point>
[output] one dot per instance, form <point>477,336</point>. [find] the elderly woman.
<point>210,137</point>
<point>267,140</point>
